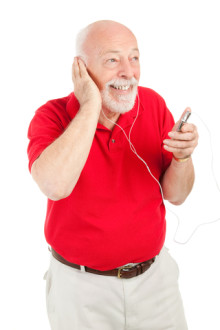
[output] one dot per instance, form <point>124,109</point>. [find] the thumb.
<point>183,114</point>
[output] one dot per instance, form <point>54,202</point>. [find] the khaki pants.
<point>78,300</point>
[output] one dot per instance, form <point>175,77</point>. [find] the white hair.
<point>80,40</point>
<point>121,103</point>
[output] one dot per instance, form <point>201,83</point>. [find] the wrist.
<point>182,160</point>
<point>91,106</point>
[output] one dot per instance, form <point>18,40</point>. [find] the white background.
<point>179,44</point>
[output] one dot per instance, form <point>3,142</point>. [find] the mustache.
<point>122,82</point>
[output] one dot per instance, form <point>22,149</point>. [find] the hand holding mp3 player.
<point>183,137</point>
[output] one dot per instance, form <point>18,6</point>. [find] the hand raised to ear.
<point>85,89</point>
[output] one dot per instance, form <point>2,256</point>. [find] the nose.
<point>125,70</point>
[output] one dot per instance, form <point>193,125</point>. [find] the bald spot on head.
<point>105,34</point>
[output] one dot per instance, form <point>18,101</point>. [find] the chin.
<point>121,105</point>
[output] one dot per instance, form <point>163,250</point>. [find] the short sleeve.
<point>46,126</point>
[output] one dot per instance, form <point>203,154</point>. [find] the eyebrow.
<point>118,51</point>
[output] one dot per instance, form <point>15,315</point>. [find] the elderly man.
<point>105,156</point>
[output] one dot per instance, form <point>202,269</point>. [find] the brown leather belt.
<point>121,272</point>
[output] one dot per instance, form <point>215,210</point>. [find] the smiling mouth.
<point>121,87</point>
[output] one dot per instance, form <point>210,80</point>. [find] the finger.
<point>181,144</point>
<point>181,136</point>
<point>76,72</point>
<point>178,151</point>
<point>73,73</point>
<point>188,128</point>
<point>188,132</point>
<point>82,68</point>
<point>176,144</point>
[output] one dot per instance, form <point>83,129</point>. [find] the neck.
<point>113,116</point>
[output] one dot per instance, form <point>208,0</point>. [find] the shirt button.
<point>113,140</point>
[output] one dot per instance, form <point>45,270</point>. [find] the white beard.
<point>121,103</point>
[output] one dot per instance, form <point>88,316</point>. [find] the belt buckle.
<point>122,268</point>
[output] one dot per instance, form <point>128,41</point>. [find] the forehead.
<point>114,40</point>
<point>117,49</point>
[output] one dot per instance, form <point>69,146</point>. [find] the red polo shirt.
<point>115,214</point>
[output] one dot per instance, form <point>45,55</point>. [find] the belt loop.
<point>82,268</point>
<point>139,269</point>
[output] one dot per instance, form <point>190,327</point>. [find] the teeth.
<point>124,88</point>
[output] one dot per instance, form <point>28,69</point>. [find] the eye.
<point>135,59</point>
<point>111,60</point>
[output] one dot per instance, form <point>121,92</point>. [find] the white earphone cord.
<point>161,190</point>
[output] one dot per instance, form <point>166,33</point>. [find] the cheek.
<point>94,76</point>
<point>137,73</point>
<point>100,78</point>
